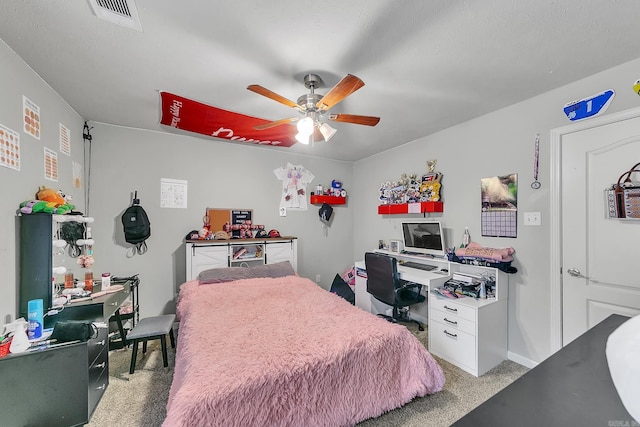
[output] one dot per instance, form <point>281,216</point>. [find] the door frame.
<point>555,222</point>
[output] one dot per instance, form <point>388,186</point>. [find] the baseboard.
<point>520,360</point>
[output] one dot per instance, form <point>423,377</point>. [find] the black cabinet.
<point>35,260</point>
<point>46,387</point>
<point>56,386</point>
<point>61,385</point>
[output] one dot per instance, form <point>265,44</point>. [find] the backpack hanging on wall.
<point>136,225</point>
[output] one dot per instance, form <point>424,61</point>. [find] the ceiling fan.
<point>314,108</point>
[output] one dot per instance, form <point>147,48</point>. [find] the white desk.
<point>470,333</point>
<point>426,278</point>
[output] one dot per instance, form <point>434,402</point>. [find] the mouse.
<point>444,270</point>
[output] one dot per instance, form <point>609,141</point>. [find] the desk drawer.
<point>447,305</point>
<point>114,301</point>
<point>452,344</point>
<point>98,382</point>
<point>453,321</point>
<point>98,344</point>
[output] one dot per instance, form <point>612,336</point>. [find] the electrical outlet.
<point>532,218</point>
<point>317,278</point>
<point>283,211</point>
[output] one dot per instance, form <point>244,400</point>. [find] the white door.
<point>600,256</point>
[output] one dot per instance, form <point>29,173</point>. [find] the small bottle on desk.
<point>68,279</point>
<point>88,281</point>
<point>106,280</point>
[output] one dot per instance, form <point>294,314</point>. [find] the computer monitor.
<point>423,237</point>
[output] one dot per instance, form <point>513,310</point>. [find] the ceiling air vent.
<point>121,12</point>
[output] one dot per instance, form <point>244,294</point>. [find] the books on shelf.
<point>237,254</point>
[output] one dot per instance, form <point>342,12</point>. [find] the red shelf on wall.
<point>406,208</point>
<point>331,200</point>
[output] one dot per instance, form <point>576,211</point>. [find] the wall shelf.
<point>330,200</point>
<point>407,208</point>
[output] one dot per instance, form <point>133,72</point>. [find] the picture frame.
<point>395,246</point>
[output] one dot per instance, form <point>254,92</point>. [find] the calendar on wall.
<point>499,213</point>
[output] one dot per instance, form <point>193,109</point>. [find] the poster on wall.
<point>499,212</point>
<point>50,165</point>
<point>77,174</point>
<point>295,179</point>
<point>65,140</point>
<point>173,193</point>
<point>9,148</point>
<point>31,117</point>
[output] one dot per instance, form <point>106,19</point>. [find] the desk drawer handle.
<point>103,342</point>
<point>100,365</point>
<point>452,322</point>
<point>102,387</point>
<point>450,334</point>
<point>113,303</point>
<point>451,309</point>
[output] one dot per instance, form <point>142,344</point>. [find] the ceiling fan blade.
<point>275,123</point>
<point>344,88</point>
<point>352,118</point>
<point>272,95</point>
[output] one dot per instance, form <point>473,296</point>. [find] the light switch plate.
<point>532,218</point>
<point>283,211</point>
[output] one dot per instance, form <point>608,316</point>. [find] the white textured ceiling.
<point>427,65</point>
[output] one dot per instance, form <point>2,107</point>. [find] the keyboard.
<point>419,266</point>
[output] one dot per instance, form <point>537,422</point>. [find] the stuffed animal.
<point>49,201</point>
<point>33,206</point>
<point>50,195</point>
<point>55,201</point>
<point>205,234</point>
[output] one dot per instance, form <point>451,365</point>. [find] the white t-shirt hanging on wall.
<point>294,186</point>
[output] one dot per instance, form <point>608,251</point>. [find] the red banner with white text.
<point>187,114</point>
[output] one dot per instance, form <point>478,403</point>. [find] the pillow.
<point>342,289</point>
<point>229,274</point>
<point>279,269</point>
<point>224,274</point>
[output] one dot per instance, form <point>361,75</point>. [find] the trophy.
<point>431,175</point>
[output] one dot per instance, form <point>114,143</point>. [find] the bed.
<point>282,351</point>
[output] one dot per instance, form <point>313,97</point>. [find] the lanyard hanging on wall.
<point>536,158</point>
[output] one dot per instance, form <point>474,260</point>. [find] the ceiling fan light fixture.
<point>327,131</point>
<point>303,139</point>
<point>305,126</point>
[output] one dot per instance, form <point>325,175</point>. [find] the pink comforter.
<point>285,352</point>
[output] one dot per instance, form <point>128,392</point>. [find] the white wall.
<point>219,175</point>
<point>495,144</point>
<point>16,80</point>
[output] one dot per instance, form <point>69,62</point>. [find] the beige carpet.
<point>140,399</point>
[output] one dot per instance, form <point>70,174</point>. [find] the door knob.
<point>574,272</point>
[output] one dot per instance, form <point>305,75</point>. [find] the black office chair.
<point>386,286</point>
